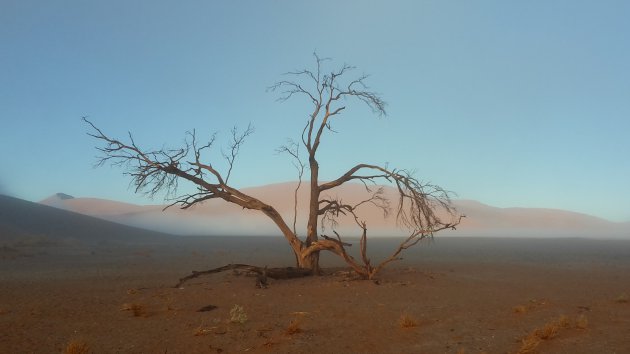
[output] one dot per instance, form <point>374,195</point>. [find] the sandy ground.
<point>460,295</point>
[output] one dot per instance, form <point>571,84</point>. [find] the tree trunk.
<point>312,260</point>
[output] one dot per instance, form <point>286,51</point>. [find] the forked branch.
<point>423,208</point>
<point>325,91</point>
<point>156,170</point>
<point>418,202</point>
<point>237,141</point>
<point>293,149</point>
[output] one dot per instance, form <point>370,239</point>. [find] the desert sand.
<point>63,283</point>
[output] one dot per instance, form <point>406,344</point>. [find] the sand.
<point>459,295</point>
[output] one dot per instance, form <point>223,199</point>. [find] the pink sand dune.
<point>219,217</point>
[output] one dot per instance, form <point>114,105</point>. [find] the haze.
<point>218,218</point>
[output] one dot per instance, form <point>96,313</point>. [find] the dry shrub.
<point>581,322</point>
<point>553,327</point>
<point>529,344</point>
<point>406,321</point>
<point>238,315</point>
<point>564,321</point>
<point>76,346</point>
<point>622,299</point>
<point>293,327</point>
<point>520,309</point>
<point>137,310</point>
<point>533,304</point>
<point>549,331</point>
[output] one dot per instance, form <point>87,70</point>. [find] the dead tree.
<point>417,208</point>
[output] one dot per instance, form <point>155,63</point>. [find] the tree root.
<point>262,272</point>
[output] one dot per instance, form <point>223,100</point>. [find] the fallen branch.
<point>273,273</point>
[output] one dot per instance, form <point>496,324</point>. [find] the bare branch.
<point>158,170</point>
<point>147,169</point>
<point>235,146</point>
<point>418,202</point>
<point>187,201</point>
<point>413,239</point>
<point>293,149</point>
<point>324,91</point>
<point>198,171</point>
<point>336,246</point>
<point>331,208</point>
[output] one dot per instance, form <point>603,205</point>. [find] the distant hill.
<point>20,219</point>
<point>485,220</point>
<point>216,217</point>
<point>63,196</point>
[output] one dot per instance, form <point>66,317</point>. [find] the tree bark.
<point>311,261</point>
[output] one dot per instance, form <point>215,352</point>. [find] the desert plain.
<point>69,282</point>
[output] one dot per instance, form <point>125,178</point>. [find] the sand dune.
<point>216,217</point>
<point>20,220</point>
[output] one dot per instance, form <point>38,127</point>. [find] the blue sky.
<point>509,103</point>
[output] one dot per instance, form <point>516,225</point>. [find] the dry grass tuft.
<point>76,346</point>
<point>406,321</point>
<point>529,344</point>
<point>622,299</point>
<point>549,331</point>
<point>238,315</point>
<point>532,304</point>
<point>520,309</point>
<point>581,322</point>
<point>293,327</point>
<point>552,328</point>
<point>564,321</point>
<point>137,310</point>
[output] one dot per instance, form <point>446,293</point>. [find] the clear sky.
<point>511,103</point>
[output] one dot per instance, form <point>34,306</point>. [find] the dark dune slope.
<point>20,219</point>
